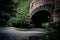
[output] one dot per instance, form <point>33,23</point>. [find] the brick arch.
<point>44,10</point>
<point>47,7</point>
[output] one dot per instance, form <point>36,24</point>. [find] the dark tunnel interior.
<point>40,17</point>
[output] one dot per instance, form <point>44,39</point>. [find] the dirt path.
<point>11,33</point>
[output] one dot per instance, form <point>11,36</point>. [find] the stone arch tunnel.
<point>41,11</point>
<point>41,17</point>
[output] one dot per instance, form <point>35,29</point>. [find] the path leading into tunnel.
<point>13,33</point>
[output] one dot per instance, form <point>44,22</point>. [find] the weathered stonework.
<point>51,6</point>
<point>37,3</point>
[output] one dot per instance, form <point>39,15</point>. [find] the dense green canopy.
<point>14,12</point>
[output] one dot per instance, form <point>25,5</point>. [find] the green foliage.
<point>21,11</point>
<point>51,34</point>
<point>6,11</point>
<point>45,24</point>
<point>14,12</point>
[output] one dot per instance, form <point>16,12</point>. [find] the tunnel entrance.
<point>40,17</point>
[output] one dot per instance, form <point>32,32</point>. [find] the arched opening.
<point>40,17</point>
